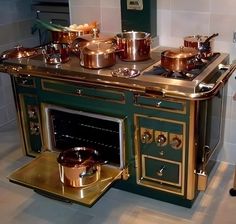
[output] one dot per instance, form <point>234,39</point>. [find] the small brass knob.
<point>146,137</point>
<point>160,140</point>
<point>175,143</point>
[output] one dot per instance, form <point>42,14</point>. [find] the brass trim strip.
<point>191,176</point>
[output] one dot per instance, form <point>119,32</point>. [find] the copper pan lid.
<point>181,52</point>
<point>19,52</point>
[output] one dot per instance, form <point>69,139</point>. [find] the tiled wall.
<point>175,20</point>
<point>15,25</point>
<point>179,18</point>
<point>106,12</point>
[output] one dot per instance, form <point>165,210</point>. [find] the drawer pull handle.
<point>160,172</point>
<point>158,104</point>
<point>79,92</point>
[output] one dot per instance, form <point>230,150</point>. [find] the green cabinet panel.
<point>30,123</point>
<point>78,90</point>
<point>161,104</point>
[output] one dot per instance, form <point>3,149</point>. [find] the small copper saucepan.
<point>79,166</point>
<point>179,59</point>
<point>203,44</point>
<point>56,53</point>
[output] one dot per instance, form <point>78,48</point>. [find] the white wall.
<point>175,20</point>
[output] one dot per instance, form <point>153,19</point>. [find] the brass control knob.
<point>176,143</point>
<point>146,137</point>
<point>32,113</point>
<point>160,139</point>
<point>34,128</point>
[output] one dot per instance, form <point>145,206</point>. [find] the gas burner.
<point>200,65</point>
<point>160,71</point>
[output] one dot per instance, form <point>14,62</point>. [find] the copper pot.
<point>94,36</point>
<point>179,59</point>
<point>134,46</point>
<point>97,54</point>
<point>201,43</point>
<point>65,36</point>
<point>79,167</point>
<point>56,53</point>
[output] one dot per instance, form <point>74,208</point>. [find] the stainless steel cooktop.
<point>209,77</point>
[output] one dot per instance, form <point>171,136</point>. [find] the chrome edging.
<point>194,96</point>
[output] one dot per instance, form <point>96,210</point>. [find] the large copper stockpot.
<point>179,59</point>
<point>134,46</point>
<point>79,167</point>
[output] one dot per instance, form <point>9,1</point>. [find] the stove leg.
<point>233,190</point>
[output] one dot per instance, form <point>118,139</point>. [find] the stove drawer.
<point>161,171</point>
<point>161,104</point>
<point>25,81</point>
<point>82,91</point>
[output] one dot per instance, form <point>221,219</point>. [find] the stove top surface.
<point>135,76</point>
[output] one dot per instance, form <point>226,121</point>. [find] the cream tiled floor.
<point>21,205</point>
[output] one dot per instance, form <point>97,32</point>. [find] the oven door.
<point>69,128</point>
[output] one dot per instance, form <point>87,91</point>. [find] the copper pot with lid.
<point>179,59</point>
<point>98,54</point>
<point>79,166</point>
<point>94,36</point>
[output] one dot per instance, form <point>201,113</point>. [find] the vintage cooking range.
<point>146,128</point>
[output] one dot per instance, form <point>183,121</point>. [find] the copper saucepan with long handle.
<point>202,43</point>
<point>180,59</point>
